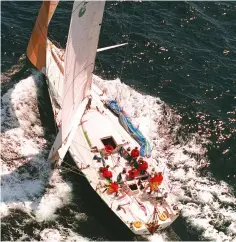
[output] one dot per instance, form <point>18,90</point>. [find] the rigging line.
<point>53,39</point>
<point>127,45</point>
<point>41,29</point>
<point>118,95</point>
<point>75,142</point>
<point>58,45</point>
<point>133,199</point>
<point>55,113</point>
<point>122,68</point>
<point>70,170</point>
<point>118,18</point>
<point>117,129</point>
<point>69,37</point>
<point>71,83</point>
<point>69,43</point>
<point>39,25</point>
<point>73,169</point>
<point>102,67</point>
<point>77,169</point>
<point>58,81</point>
<point>146,57</point>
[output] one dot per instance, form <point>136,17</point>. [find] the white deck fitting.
<point>98,125</point>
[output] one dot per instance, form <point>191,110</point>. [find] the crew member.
<point>102,169</point>
<point>155,181</point>
<point>107,174</point>
<point>109,148</point>
<point>113,188</point>
<point>132,173</point>
<point>135,153</point>
<point>142,166</point>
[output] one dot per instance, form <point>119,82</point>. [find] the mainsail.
<point>80,56</point>
<point>36,50</point>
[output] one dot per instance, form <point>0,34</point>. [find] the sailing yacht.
<point>109,150</point>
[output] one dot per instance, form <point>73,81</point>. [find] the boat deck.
<point>142,212</point>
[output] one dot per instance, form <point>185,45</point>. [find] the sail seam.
<point>75,78</point>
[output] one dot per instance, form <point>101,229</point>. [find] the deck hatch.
<point>109,140</point>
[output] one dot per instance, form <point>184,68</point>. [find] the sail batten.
<point>80,57</point>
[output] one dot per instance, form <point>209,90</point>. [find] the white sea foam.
<point>54,198</point>
<point>49,235</point>
<point>73,237</point>
<point>54,235</point>
<point>25,170</point>
<point>158,237</point>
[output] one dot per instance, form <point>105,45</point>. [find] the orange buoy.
<point>163,216</point>
<point>138,224</point>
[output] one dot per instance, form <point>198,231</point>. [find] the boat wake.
<point>32,194</point>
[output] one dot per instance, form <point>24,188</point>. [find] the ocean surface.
<point>178,75</point>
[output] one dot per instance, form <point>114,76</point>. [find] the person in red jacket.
<point>142,166</point>
<point>135,153</point>
<point>113,188</point>
<point>107,174</point>
<point>109,148</point>
<point>132,173</point>
<point>102,169</point>
<point>155,181</point>
<point>158,178</point>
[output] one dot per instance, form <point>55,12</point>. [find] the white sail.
<point>80,56</point>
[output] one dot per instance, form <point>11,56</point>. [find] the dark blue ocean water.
<point>182,52</point>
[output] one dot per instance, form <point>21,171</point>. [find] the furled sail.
<point>80,56</point>
<point>36,50</point>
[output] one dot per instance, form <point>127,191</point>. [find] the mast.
<point>80,57</point>
<point>36,50</point>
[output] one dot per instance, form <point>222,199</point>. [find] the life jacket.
<point>142,166</point>
<point>113,188</point>
<point>155,181</point>
<point>109,148</point>
<point>102,169</point>
<point>107,174</point>
<point>133,173</point>
<point>158,178</point>
<point>135,153</point>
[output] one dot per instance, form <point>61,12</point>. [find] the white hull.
<point>104,124</point>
